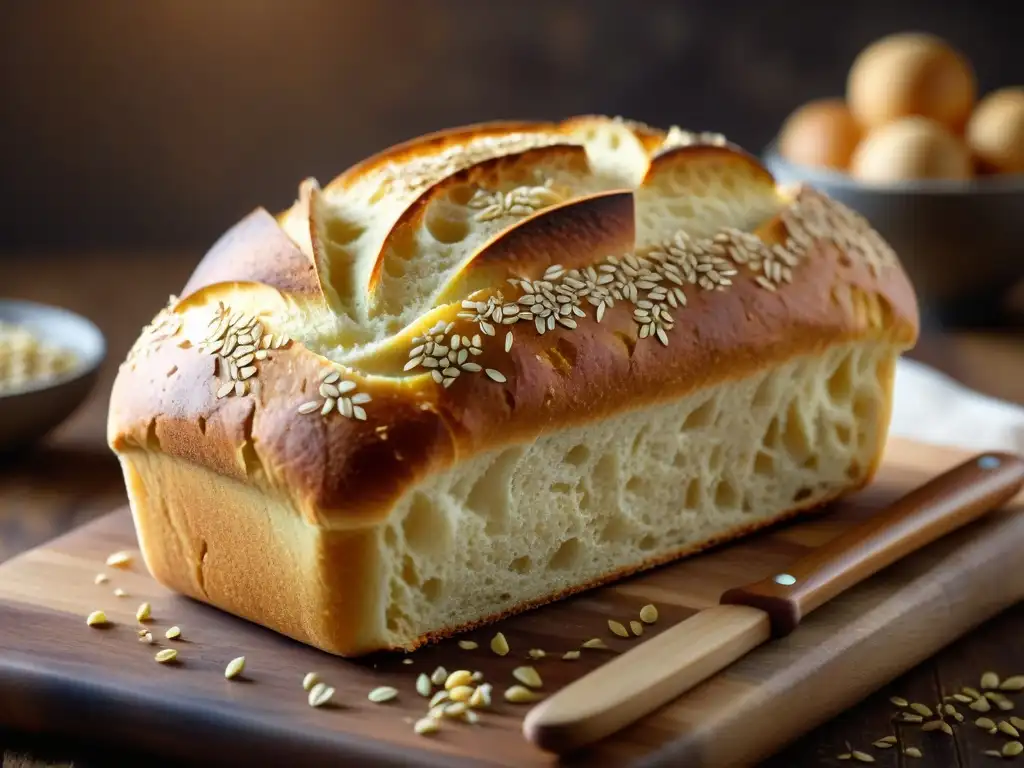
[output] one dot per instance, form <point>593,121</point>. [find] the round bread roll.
<point>995,133</point>
<point>911,74</point>
<point>821,133</point>
<point>911,148</point>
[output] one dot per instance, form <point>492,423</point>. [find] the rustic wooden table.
<point>73,478</point>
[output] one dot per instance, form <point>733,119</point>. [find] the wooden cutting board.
<point>58,675</point>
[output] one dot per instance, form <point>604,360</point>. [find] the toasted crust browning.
<point>332,380</point>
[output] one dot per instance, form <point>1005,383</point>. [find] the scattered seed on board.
<point>119,559</point>
<point>882,744</point>
<point>974,693</point>
<point>985,724</point>
<point>458,678</point>
<point>909,717</point>
<point>382,694</point>
<point>1013,683</point>
<point>120,593</point>
<point>320,694</point>
<point>844,756</point>
<point>481,697</point>
<point>963,698</point>
<point>173,633</point>
<point>96,619</point>
<point>648,614</point>
<point>166,656</point>
<point>922,709</point>
<point>912,752</point>
<point>990,680</point>
<point>455,709</point>
<point>1008,729</point>
<point>461,693</point>
<point>468,645</point>
<point>146,637</point>
<point>617,628</point>
<point>519,694</point>
<point>1017,723</point>
<point>426,726</point>
<point>528,676</point>
<point>637,627</point>
<point>234,668</point>
<point>863,757</point>
<point>407,661</point>
<point>899,701</point>
<point>101,578</point>
<point>536,653</point>
<point>438,676</point>
<point>423,685</point>
<point>571,655</point>
<point>992,753</point>
<point>499,644</point>
<point>478,676</point>
<point>890,740</point>
<point>936,725</point>
<point>980,705</point>
<point>471,717</point>
<point>595,642</point>
<point>143,612</point>
<point>437,698</point>
<point>1012,748</point>
<point>311,679</point>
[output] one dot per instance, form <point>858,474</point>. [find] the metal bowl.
<point>961,242</point>
<point>29,413</point>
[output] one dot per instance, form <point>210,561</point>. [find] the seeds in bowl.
<point>26,360</point>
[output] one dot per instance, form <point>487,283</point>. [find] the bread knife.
<point>658,670</point>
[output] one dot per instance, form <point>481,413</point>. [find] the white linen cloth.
<point>931,407</point>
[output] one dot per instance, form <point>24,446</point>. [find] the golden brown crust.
<point>256,249</point>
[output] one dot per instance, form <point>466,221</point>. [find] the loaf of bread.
<point>497,365</point>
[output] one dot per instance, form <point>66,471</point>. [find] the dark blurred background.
<point>155,125</point>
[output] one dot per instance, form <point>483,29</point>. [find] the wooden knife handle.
<point>949,501</point>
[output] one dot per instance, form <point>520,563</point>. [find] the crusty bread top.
<point>482,285</point>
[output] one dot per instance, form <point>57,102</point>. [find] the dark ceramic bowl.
<point>961,242</point>
<point>29,413</point>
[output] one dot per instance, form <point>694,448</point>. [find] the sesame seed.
<point>990,680</point>
<point>617,628</point>
<point>457,678</point>
<point>519,694</point>
<point>527,676</point>
<point>407,661</point>
<point>426,726</point>
<point>118,592</point>
<point>468,645</point>
<point>499,644</point>
<point>536,653</point>
<point>899,701</point>
<point>319,695</point>
<point>636,627</point>
<point>437,698</point>
<point>1013,683</point>
<point>143,612</point>
<point>382,694</point>
<point>461,693</point>
<point>595,642</point>
<point>234,668</point>
<point>173,633</point>
<point>912,752</point>
<point>119,559</point>
<point>438,676</point>
<point>101,578</point>
<point>96,619</point>
<point>310,679</point>
<point>423,685</point>
<point>648,614</point>
<point>571,655</point>
<point>166,656</point>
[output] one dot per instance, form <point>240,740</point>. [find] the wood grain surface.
<point>58,675</point>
